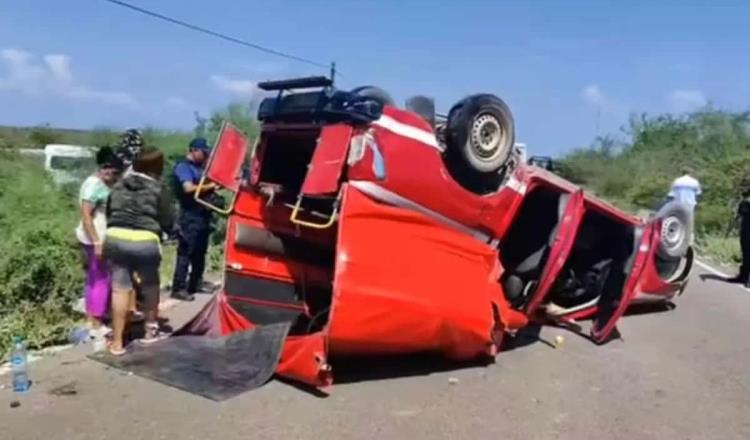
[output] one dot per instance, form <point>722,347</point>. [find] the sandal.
<point>153,334</point>
<point>116,353</point>
<point>137,316</point>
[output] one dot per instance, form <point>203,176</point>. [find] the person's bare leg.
<point>151,305</point>
<point>150,291</point>
<point>93,322</point>
<point>135,314</point>
<point>131,306</point>
<point>120,306</point>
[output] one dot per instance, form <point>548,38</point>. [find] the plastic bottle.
<point>19,365</point>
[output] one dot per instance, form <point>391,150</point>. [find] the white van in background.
<point>65,163</point>
<point>68,163</point>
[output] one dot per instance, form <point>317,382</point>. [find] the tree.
<point>239,115</point>
<point>200,125</point>
<point>42,135</point>
<point>636,173</point>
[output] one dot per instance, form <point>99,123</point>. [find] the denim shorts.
<point>135,263</point>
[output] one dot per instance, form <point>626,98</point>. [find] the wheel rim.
<point>487,137</point>
<point>672,232</point>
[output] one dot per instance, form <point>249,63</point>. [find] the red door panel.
<point>328,161</point>
<point>608,314</point>
<point>560,249</point>
<point>227,158</point>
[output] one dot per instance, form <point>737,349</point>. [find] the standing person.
<point>91,230</point>
<point>131,142</point>
<point>743,215</point>
<point>194,223</point>
<point>138,212</point>
<point>686,189</point>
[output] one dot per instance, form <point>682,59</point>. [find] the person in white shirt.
<point>686,190</point>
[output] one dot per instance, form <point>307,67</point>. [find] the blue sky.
<point>87,63</point>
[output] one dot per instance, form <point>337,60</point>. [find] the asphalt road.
<point>680,374</point>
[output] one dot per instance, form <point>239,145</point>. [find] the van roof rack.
<point>296,83</point>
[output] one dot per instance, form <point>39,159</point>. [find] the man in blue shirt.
<point>194,222</point>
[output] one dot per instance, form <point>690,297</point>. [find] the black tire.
<point>375,93</point>
<point>481,132</point>
<point>676,230</point>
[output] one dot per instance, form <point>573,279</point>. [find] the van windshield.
<point>70,163</point>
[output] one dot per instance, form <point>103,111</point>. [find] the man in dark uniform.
<point>743,215</point>
<point>193,223</point>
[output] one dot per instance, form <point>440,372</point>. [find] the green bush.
<point>41,136</point>
<point>637,172</point>
<point>723,250</point>
<point>40,267</point>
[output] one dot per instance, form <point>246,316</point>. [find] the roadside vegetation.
<point>41,272</point>
<point>40,267</point>
<point>635,170</point>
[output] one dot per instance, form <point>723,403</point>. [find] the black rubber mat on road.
<point>215,368</point>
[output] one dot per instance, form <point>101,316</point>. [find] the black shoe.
<point>183,296</point>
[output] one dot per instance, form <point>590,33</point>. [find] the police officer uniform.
<point>193,226</point>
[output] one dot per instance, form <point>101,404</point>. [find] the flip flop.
<point>160,336</point>
<point>153,334</point>
<point>119,352</point>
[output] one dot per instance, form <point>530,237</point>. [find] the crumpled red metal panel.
<point>229,320</point>
<point>304,359</point>
<point>405,283</point>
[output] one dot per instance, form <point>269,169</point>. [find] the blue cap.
<point>200,143</point>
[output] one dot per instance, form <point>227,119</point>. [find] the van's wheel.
<point>675,231</point>
<point>481,133</point>
<point>375,93</point>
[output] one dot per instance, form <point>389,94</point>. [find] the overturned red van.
<point>375,230</point>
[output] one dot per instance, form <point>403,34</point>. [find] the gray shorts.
<point>135,264</point>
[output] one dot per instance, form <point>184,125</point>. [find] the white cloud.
<point>59,66</point>
<point>593,95</point>
<point>238,88</point>
<point>686,100</point>
<point>52,76</point>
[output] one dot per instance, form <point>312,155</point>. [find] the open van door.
<point>614,301</point>
<point>558,253</point>
<point>224,166</point>
<point>323,178</point>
